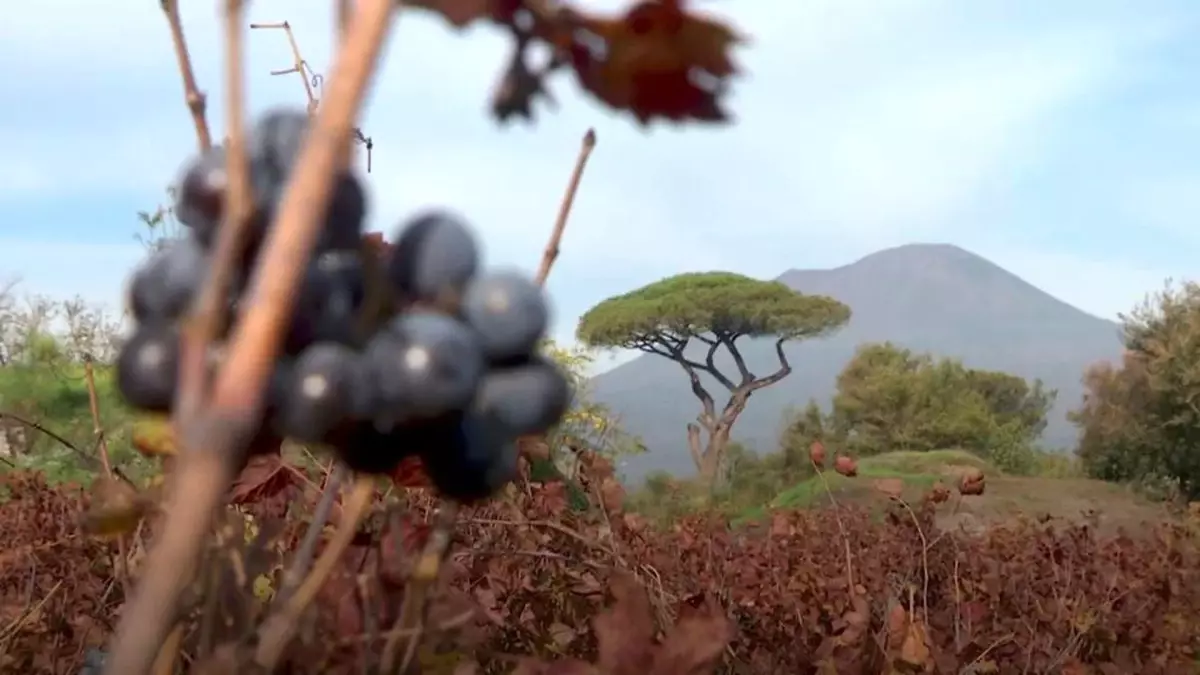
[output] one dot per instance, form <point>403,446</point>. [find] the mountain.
<point>933,298</point>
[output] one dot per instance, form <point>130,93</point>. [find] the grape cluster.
<point>448,369</point>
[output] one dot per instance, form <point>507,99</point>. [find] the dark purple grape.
<point>148,367</point>
<point>163,288</point>
<point>366,448</point>
<point>424,364</point>
<point>276,139</point>
<point>472,459</point>
<point>200,198</point>
<point>345,215</point>
<point>325,385</point>
<point>330,298</point>
<point>527,399</point>
<point>508,311</point>
<point>434,254</point>
<point>200,194</point>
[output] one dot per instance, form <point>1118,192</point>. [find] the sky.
<point>1060,140</point>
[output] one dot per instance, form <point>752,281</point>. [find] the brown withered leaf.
<point>660,62</point>
<point>153,436</point>
<point>263,477</point>
<point>115,508</point>
<point>625,631</point>
<point>695,644</point>
<point>612,495</point>
<point>914,651</point>
<point>561,635</point>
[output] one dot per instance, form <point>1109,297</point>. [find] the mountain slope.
<point>929,297</point>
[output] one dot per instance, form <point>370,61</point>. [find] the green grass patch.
<point>918,470</point>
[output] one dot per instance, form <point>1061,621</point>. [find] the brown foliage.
<point>58,595</point>
<point>549,590</point>
<point>656,60</point>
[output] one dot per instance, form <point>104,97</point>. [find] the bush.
<point>889,398</point>
<point>805,592</point>
<point>1139,420</point>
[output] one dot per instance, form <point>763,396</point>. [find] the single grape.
<point>275,143</point>
<point>424,364</point>
<point>163,288</point>
<point>508,311</point>
<point>344,217</point>
<point>434,254</point>
<point>322,393</point>
<point>200,194</point>
<point>365,447</point>
<point>474,458</point>
<point>330,297</point>
<point>148,367</point>
<point>276,138</point>
<point>200,197</point>
<point>347,291</point>
<point>529,398</point>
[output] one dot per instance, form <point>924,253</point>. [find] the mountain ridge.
<point>930,297</point>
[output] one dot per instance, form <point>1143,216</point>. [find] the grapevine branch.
<point>310,78</point>
<point>195,99</point>
<point>299,65</point>
<point>213,436</point>
<point>564,208</point>
<point>102,446</point>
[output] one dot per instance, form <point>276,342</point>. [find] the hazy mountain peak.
<point>930,297</point>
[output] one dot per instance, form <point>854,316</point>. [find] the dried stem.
<point>299,65</point>
<point>97,427</point>
<point>279,628</point>
<point>410,624</point>
<point>192,95</point>
<point>164,663</point>
<point>837,517</point>
<point>294,575</point>
<point>564,209</point>
<point>102,446</point>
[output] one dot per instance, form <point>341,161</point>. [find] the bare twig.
<point>837,516</point>
<point>84,457</point>
<point>209,312</point>
<point>564,209</point>
<point>410,624</point>
<point>94,407</point>
<point>192,95</point>
<point>299,65</point>
<point>279,628</point>
<point>294,574</point>
<point>168,655</point>
<point>102,446</point>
